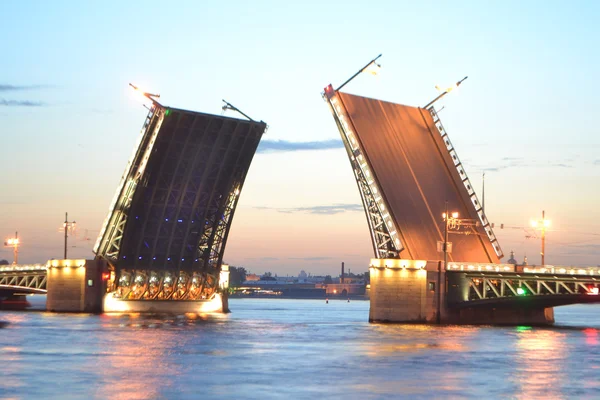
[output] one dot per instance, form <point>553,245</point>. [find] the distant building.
<point>512,260</point>
<point>252,277</point>
<point>343,289</point>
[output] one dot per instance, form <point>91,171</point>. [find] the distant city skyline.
<point>525,116</point>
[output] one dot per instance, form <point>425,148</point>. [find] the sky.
<point>526,116</point>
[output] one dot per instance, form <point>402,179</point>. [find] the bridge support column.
<point>403,291</point>
<point>501,316</point>
<point>75,285</point>
<point>406,291</point>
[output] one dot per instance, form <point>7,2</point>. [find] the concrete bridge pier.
<point>409,291</point>
<point>501,316</point>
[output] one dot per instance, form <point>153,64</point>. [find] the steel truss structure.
<point>109,239</point>
<point>384,232</point>
<point>167,227</point>
<point>32,277</point>
<point>466,182</point>
<point>486,287</point>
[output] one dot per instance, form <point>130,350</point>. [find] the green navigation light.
<point>520,291</point>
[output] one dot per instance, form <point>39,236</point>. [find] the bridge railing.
<point>23,267</point>
<point>24,276</point>
<point>524,269</point>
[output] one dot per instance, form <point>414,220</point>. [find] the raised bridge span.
<point>429,266</point>
<point>164,237</point>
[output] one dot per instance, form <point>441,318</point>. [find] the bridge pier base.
<point>14,302</point>
<point>406,291</point>
<point>75,286</point>
<point>501,316</point>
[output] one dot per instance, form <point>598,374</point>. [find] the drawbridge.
<point>167,227</point>
<point>409,177</point>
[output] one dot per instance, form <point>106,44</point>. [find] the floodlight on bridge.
<point>445,92</point>
<point>150,96</point>
<point>372,67</point>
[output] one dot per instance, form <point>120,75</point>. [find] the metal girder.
<point>466,182</point>
<point>109,239</point>
<point>385,235</point>
<point>484,287</point>
<point>24,279</point>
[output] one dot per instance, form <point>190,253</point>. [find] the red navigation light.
<point>329,92</point>
<point>105,276</point>
<point>594,290</point>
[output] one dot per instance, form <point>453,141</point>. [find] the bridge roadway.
<point>470,285</point>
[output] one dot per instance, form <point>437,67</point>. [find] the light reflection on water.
<point>293,349</point>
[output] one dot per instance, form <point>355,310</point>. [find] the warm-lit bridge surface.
<point>407,169</point>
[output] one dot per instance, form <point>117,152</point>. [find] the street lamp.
<point>372,67</point>
<point>14,243</point>
<point>450,220</point>
<point>542,224</point>
<point>68,225</point>
<point>457,84</point>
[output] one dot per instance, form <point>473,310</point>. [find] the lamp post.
<point>372,62</point>
<point>67,225</point>
<point>543,224</point>
<point>450,220</point>
<point>457,84</point>
<point>14,243</point>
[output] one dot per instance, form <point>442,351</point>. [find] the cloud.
<point>561,165</point>
<point>579,249</point>
<point>518,162</point>
<point>319,210</point>
<point>9,88</point>
<point>20,103</point>
<point>310,258</point>
<point>272,146</point>
<point>512,158</point>
<point>597,162</point>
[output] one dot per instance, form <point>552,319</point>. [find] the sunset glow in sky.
<point>527,115</point>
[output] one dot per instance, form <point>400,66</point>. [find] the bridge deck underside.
<point>179,213</point>
<point>417,175</point>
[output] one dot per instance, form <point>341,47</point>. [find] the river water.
<point>294,349</point>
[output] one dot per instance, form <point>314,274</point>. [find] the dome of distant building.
<point>302,275</point>
<point>512,260</point>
